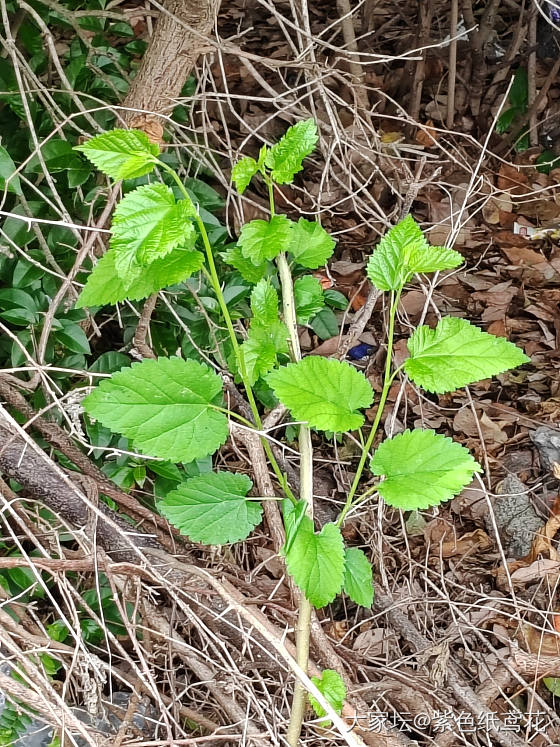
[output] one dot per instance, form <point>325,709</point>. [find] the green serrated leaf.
<point>422,469</point>
<point>260,349</point>
<point>404,251</point>
<point>121,154</point>
<point>213,508</point>
<point>285,158</point>
<point>311,245</point>
<point>358,577</point>
<point>242,173</point>
<point>249,271</point>
<point>456,353</point>
<point>147,224</point>
<point>331,685</point>
<point>308,296</point>
<point>104,286</point>
<point>324,392</point>
<point>261,239</point>
<point>316,561</point>
<point>164,406</point>
<point>264,303</point>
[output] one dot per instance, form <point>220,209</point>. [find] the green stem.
<point>303,625</point>
<point>212,274</point>
<point>387,381</point>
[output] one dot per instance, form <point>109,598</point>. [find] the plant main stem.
<point>215,281</point>
<point>387,381</point>
<point>303,625</point>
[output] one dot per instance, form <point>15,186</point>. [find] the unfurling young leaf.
<point>249,271</point>
<point>316,561</point>
<point>121,154</point>
<point>264,303</point>
<point>147,224</point>
<point>165,407</point>
<point>261,348</point>
<point>104,286</point>
<point>456,353</point>
<point>422,469</point>
<point>311,246</point>
<point>267,337</point>
<point>324,392</point>
<point>403,252</point>
<point>242,173</point>
<point>285,158</point>
<point>261,239</point>
<point>358,577</point>
<point>331,685</point>
<point>213,508</point>
<point>309,298</point>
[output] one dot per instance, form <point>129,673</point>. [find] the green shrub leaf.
<point>316,561</point>
<point>213,508</point>
<point>264,303</point>
<point>260,349</point>
<point>121,154</point>
<point>248,270</point>
<point>261,239</point>
<point>456,353</point>
<point>358,577</point>
<point>324,392</point>
<point>147,224</point>
<point>164,406</point>
<point>286,156</point>
<point>422,469</point>
<point>242,173</point>
<point>331,685</point>
<point>104,286</point>
<point>309,298</point>
<point>311,245</point>
<point>404,251</point>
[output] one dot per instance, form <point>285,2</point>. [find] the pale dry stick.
<point>452,74</point>
<point>349,34</point>
<point>76,267</point>
<point>257,458</point>
<point>425,11</point>
<point>480,437</point>
<point>143,327</point>
<point>46,34</point>
<point>462,691</point>
<point>42,643</point>
<point>11,45</point>
<point>58,716</point>
<point>532,78</point>
<point>362,318</point>
<point>507,671</point>
<point>257,621</point>
<point>160,626</point>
